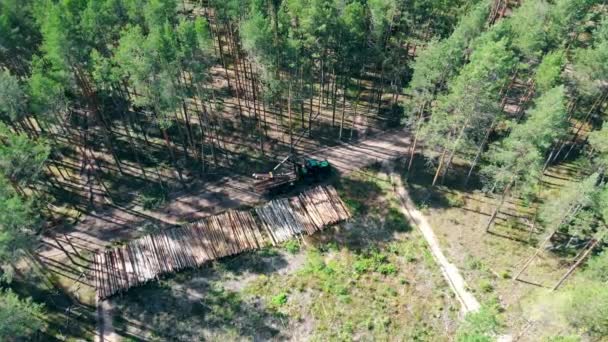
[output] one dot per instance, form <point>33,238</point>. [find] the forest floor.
<point>117,223</point>
<point>66,251</point>
<point>253,286</point>
<point>449,270</point>
<point>489,261</point>
<point>373,277</point>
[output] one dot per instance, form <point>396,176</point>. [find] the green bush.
<point>486,286</point>
<point>292,246</point>
<point>395,221</point>
<point>480,326</point>
<point>455,200</point>
<point>387,269</point>
<point>374,261</point>
<point>279,300</point>
<point>154,197</point>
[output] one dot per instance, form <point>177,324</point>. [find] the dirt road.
<point>449,270</point>
<point>96,230</point>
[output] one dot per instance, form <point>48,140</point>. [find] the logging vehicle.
<point>309,171</point>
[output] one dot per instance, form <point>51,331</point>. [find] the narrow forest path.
<point>450,271</point>
<point>105,329</point>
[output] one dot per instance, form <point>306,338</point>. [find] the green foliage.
<point>19,318</point>
<point>21,159</point>
<point>455,199</point>
<point>598,140</point>
<point>549,71</point>
<point>565,17</point>
<point>486,286</point>
<point>373,261</point>
<point>471,105</point>
<point>292,246</point>
<point>558,211</point>
<point>597,268</point>
<point>518,158</point>
<point>279,300</point>
<point>480,326</point>
<point>590,71</point>
<point>19,224</point>
<point>441,60</point>
<point>546,121</point>
<point>528,27</point>
<point>590,316</point>
<point>12,97</point>
<point>154,197</point>
<point>396,221</point>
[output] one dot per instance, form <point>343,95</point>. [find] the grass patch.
<point>373,278</point>
<point>279,300</point>
<point>292,246</point>
<point>208,311</point>
<point>361,294</point>
<point>154,197</point>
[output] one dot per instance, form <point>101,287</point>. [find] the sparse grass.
<point>292,246</point>
<point>372,278</point>
<point>351,289</point>
<point>351,294</point>
<point>69,317</point>
<point>153,197</point>
<point>489,260</point>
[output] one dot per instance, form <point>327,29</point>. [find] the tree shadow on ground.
<point>376,216</point>
<point>263,261</point>
<point>196,308</point>
<point>66,319</point>
<point>420,178</point>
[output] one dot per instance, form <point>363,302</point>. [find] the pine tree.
<point>548,73</point>
<point>19,318</point>
<point>21,159</point>
<point>438,63</point>
<point>515,162</point>
<point>472,104</point>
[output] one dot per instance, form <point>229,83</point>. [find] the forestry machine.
<point>310,170</point>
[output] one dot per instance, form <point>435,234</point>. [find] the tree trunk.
<point>413,147</point>
<point>502,201</point>
<point>479,152</point>
<point>290,122</point>
<point>312,89</point>
<point>576,264</point>
<point>223,60</point>
<point>343,107</point>
<point>538,250</point>
<point>453,151</point>
<point>439,167</point>
<point>595,105</point>
<point>359,91</point>
<point>334,96</point>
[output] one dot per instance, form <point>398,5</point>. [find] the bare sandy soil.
<point>115,223</point>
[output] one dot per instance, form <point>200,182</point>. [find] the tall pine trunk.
<point>505,193</point>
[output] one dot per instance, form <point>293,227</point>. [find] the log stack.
<point>231,232</point>
<point>278,219</point>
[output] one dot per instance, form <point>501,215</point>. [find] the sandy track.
<point>450,271</point>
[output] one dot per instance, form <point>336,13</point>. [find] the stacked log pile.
<point>275,181</point>
<point>279,220</point>
<point>307,213</point>
<point>229,233</point>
